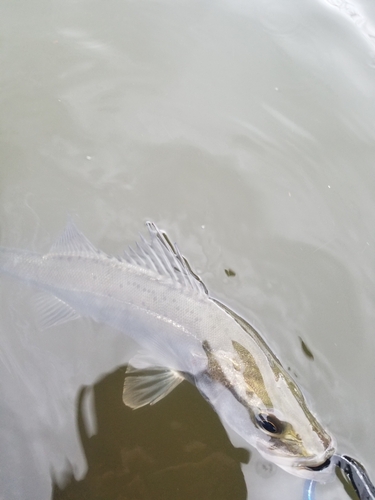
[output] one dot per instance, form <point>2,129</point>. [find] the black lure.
<point>356,475</point>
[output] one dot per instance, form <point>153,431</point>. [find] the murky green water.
<point>163,454</point>
<point>244,129</point>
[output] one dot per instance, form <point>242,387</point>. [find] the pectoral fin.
<point>148,386</point>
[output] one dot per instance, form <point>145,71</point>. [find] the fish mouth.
<point>318,470</point>
<point>320,467</point>
<point>322,472</point>
<point>319,463</point>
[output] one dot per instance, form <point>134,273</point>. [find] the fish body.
<point>153,296</point>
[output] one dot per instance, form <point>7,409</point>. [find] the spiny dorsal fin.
<point>73,242</point>
<point>161,256</point>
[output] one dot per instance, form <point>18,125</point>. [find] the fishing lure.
<point>356,475</point>
<point>353,472</point>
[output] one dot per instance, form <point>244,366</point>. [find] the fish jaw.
<point>317,467</point>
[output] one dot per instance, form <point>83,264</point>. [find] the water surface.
<point>244,129</point>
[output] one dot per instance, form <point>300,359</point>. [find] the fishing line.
<point>309,490</point>
<point>354,473</point>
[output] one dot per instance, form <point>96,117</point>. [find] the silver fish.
<point>153,295</point>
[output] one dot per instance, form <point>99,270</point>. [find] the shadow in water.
<point>176,449</point>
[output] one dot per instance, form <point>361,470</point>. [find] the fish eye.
<point>269,423</point>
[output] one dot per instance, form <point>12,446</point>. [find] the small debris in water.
<point>306,350</point>
<point>229,272</point>
<point>264,469</point>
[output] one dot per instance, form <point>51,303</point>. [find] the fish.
<point>152,295</point>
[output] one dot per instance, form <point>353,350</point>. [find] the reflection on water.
<point>176,449</point>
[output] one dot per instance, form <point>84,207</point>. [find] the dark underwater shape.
<point>175,450</point>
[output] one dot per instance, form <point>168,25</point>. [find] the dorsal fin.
<point>73,242</point>
<point>161,256</point>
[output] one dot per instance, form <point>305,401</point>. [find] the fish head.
<point>297,443</point>
<point>262,403</point>
<point>287,432</point>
